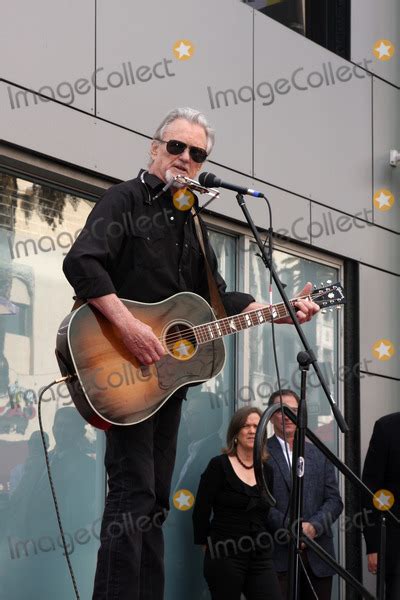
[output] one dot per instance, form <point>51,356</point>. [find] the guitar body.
<point>108,385</point>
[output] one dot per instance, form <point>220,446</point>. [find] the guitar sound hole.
<point>180,341</point>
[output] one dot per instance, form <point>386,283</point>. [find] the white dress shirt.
<point>286,453</point>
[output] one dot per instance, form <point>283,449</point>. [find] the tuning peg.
<point>323,311</point>
<point>331,310</point>
<point>328,281</point>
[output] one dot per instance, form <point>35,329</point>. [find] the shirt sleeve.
<point>99,242</point>
<point>210,483</point>
<point>234,302</point>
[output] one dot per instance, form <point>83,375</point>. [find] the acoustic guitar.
<point>108,384</point>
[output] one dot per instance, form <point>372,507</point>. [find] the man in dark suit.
<point>322,503</point>
<point>381,474</point>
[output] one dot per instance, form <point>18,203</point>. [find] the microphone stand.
<point>313,359</point>
<point>298,464</point>
<point>305,359</point>
<point>380,580</point>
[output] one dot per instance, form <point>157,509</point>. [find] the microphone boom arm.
<point>195,185</point>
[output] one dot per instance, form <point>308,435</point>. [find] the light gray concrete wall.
<point>318,133</point>
<point>371,23</point>
<point>292,119</point>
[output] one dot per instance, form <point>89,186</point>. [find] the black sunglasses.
<point>176,147</point>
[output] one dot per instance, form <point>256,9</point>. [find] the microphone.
<point>210,180</point>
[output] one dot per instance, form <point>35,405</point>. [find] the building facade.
<point>82,89</point>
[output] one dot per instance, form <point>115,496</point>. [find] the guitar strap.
<point>77,303</point>
<point>215,296</point>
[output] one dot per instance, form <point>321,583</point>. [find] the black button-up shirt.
<point>138,245</point>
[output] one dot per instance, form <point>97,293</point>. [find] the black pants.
<point>393,568</point>
<point>392,586</point>
<point>139,462</point>
<point>322,585</point>
<point>250,573</point>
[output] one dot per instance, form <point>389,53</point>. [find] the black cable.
<point>270,239</point>
<point>53,492</point>
<point>308,577</point>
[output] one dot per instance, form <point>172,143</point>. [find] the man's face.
<point>166,165</point>
<point>276,420</point>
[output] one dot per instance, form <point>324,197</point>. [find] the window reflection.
<point>37,226</point>
<point>322,333</point>
<point>325,22</point>
<point>287,12</point>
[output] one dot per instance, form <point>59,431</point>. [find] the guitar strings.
<point>189,334</point>
<point>241,317</point>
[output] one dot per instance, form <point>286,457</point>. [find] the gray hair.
<point>191,115</point>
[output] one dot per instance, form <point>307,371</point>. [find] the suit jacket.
<point>382,471</point>
<point>322,503</point>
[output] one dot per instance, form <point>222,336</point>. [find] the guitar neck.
<point>229,325</point>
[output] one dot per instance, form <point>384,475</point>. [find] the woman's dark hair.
<point>237,421</point>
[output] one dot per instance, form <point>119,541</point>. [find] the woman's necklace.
<point>242,463</point>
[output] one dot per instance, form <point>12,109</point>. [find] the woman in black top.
<point>229,519</point>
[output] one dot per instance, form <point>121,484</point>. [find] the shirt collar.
<point>282,443</point>
<point>156,185</point>
<point>151,180</point>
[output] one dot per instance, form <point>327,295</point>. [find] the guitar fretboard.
<point>230,325</point>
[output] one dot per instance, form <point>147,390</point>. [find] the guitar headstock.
<point>329,297</point>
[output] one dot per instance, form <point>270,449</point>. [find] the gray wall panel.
<point>379,397</point>
<point>372,21</point>
<point>286,208</point>
<point>221,34</point>
<point>47,43</point>
<point>355,238</point>
<point>315,142</point>
<point>74,137</point>
<point>379,320</point>
<point>386,125</point>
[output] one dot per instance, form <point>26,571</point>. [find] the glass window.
<point>37,227</point>
<point>326,22</point>
<point>287,12</point>
<point>321,332</point>
<point>38,224</point>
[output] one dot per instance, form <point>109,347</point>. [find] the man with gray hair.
<point>139,243</point>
